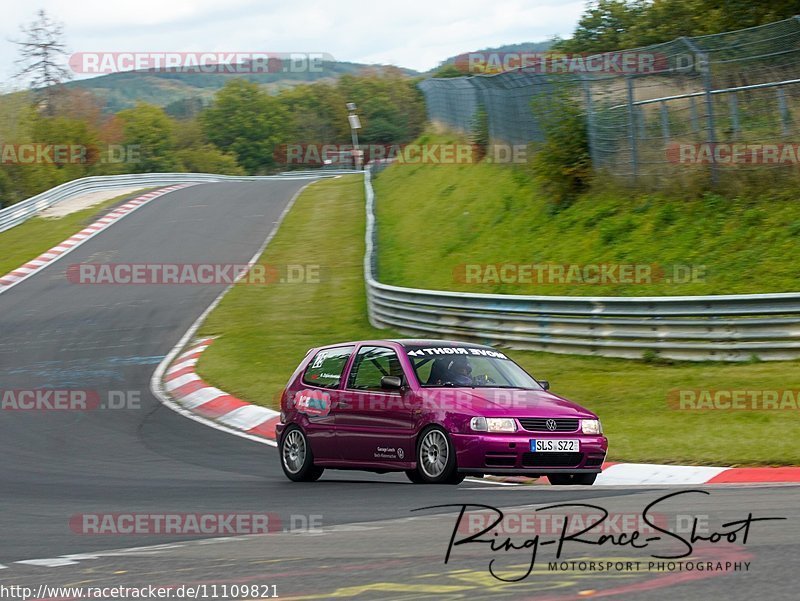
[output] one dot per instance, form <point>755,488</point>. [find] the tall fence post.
<point>704,66</point>
<point>784,112</point>
<point>664,122</point>
<point>734,108</point>
<point>632,129</point>
<point>693,115</point>
<point>591,125</point>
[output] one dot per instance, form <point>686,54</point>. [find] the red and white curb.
<point>626,474</point>
<point>54,254</point>
<point>194,395</point>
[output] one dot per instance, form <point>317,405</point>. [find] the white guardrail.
<point>696,328</point>
<point>21,211</point>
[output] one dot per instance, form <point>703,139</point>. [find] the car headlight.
<point>591,426</point>
<point>493,424</point>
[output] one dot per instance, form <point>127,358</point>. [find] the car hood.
<point>503,402</point>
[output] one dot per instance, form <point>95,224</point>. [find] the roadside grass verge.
<point>264,332</point>
<point>434,219</point>
<point>28,240</point>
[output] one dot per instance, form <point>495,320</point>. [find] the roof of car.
<point>411,342</point>
<point>434,342</point>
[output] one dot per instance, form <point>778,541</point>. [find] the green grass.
<point>28,240</point>
<point>436,218</point>
<point>264,332</point>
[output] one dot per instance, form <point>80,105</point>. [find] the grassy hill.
<point>435,219</point>
<point>124,90</point>
<point>521,47</point>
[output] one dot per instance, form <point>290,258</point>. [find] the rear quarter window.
<point>325,369</point>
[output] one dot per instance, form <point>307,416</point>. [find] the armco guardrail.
<point>696,328</point>
<point>21,211</point>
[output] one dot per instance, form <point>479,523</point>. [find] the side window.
<point>423,368</point>
<point>370,365</point>
<point>326,367</point>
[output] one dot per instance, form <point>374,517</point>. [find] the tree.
<point>449,70</point>
<point>248,123</point>
<point>562,164</point>
<point>604,26</point>
<point>391,106</point>
<point>208,159</point>
<point>609,25</point>
<point>149,131</point>
<point>317,113</point>
<point>41,55</point>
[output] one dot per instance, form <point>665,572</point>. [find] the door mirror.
<point>544,384</point>
<point>391,382</point>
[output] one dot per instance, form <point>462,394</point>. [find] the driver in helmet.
<point>459,372</point>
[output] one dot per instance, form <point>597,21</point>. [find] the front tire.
<point>436,458</point>
<point>414,476</point>
<point>297,460</point>
<point>572,479</point>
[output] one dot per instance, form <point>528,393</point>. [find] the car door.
<point>317,394</point>
<point>374,424</point>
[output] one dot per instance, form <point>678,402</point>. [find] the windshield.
<point>465,366</point>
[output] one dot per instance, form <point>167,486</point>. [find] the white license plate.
<point>556,445</point>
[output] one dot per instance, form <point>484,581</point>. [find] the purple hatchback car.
<point>436,409</point>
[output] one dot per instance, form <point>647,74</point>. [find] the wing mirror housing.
<point>391,382</point>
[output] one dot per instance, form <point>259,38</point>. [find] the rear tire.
<point>436,458</point>
<point>297,460</point>
<point>572,479</point>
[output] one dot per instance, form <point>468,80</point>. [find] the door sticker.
<point>314,403</point>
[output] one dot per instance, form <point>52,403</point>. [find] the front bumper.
<point>510,454</point>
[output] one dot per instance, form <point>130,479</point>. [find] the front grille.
<point>539,424</point>
<point>551,459</point>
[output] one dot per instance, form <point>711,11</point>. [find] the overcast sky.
<point>411,33</point>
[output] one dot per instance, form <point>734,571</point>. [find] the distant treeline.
<point>243,131</point>
<point>609,25</point>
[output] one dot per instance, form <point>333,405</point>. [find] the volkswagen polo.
<point>437,410</point>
